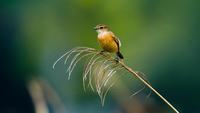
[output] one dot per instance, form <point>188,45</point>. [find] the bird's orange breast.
<point>107,42</point>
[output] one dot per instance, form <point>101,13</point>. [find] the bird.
<point>107,40</point>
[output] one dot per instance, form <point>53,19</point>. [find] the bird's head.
<point>101,28</point>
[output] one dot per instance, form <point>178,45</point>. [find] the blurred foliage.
<point>160,38</point>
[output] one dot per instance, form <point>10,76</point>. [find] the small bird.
<point>108,41</point>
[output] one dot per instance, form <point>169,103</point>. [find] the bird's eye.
<point>101,27</point>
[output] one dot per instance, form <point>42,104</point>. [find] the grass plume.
<point>100,69</point>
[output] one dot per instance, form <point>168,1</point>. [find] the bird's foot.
<point>117,59</point>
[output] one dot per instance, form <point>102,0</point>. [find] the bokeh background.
<point>159,38</point>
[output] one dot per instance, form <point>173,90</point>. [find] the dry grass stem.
<point>100,71</point>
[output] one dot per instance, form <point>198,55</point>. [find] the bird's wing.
<point>116,39</point>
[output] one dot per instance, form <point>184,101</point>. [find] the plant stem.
<point>148,85</point>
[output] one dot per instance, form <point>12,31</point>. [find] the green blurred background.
<point>159,37</point>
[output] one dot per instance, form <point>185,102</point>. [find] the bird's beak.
<point>95,28</point>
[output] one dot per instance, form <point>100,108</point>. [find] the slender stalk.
<point>148,85</point>
<point>108,57</point>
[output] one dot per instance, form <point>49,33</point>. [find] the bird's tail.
<point>120,55</point>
